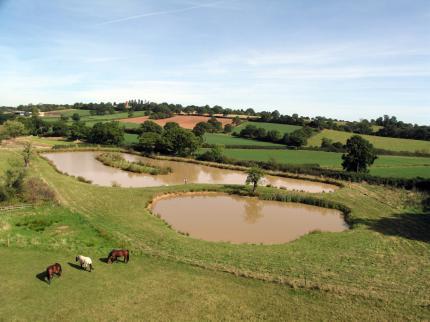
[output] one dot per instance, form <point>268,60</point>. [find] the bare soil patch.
<point>185,121</point>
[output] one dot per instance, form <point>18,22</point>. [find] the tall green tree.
<point>148,141</point>
<point>27,153</point>
<point>111,133</point>
<point>150,126</point>
<point>78,131</point>
<point>178,141</point>
<point>255,174</point>
<point>76,117</point>
<point>359,155</point>
<point>12,129</point>
<point>201,128</point>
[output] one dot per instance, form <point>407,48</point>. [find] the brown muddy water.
<point>219,217</point>
<point>84,164</point>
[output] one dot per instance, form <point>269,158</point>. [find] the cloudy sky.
<point>348,59</point>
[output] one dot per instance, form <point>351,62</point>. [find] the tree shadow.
<point>42,277</point>
<point>78,267</point>
<point>237,190</point>
<point>414,226</point>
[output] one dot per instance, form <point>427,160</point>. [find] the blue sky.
<point>348,59</point>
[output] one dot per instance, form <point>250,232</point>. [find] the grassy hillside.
<point>395,166</point>
<point>283,128</point>
<point>154,289</point>
<point>321,275</point>
<point>392,144</point>
<point>225,139</point>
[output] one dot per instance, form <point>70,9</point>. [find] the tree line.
<point>391,127</point>
<point>297,138</point>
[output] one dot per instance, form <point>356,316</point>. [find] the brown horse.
<point>53,270</point>
<point>114,254</point>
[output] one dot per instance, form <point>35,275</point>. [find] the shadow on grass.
<point>42,277</point>
<point>237,190</point>
<point>105,260</point>
<point>408,225</point>
<point>78,267</point>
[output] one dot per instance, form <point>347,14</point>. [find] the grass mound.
<point>116,160</point>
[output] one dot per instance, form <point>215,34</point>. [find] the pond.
<point>220,217</point>
<point>84,164</point>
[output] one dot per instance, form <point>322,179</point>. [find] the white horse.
<point>85,262</point>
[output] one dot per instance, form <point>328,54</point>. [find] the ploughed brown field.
<point>185,121</point>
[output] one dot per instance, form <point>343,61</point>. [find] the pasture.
<point>282,128</point>
<point>379,142</point>
<point>385,165</point>
<point>155,289</point>
<point>225,139</point>
<point>342,276</point>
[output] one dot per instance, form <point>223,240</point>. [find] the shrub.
<point>35,190</point>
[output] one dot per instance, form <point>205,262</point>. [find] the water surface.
<point>84,164</point>
<point>245,220</point>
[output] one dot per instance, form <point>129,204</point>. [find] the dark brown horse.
<point>53,270</point>
<point>114,254</point>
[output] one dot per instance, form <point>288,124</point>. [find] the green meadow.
<point>379,142</point>
<point>283,128</point>
<point>327,276</point>
<point>226,139</point>
<point>388,166</point>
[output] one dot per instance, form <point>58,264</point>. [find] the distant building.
<point>22,113</point>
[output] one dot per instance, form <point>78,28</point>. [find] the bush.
<point>35,190</point>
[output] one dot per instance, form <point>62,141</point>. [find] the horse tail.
<point>128,255</point>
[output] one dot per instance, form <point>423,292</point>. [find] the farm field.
<point>329,271</point>
<point>185,121</point>
<point>391,144</point>
<point>395,166</point>
<point>225,139</point>
<point>283,128</point>
<point>92,119</point>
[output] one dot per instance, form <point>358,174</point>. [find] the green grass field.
<point>391,144</point>
<point>283,128</point>
<point>92,119</point>
<point>379,270</point>
<point>388,166</point>
<point>131,138</point>
<point>225,139</point>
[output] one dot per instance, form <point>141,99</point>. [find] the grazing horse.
<point>52,270</point>
<point>114,254</point>
<point>85,262</point>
